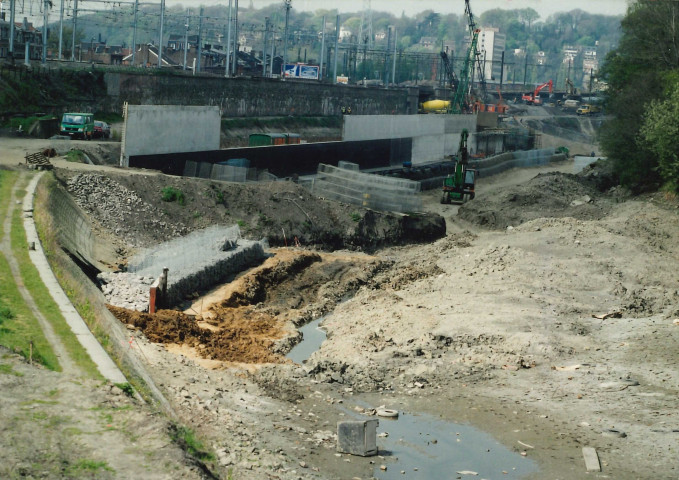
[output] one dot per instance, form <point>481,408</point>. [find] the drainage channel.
<point>419,446</point>
<point>313,336</point>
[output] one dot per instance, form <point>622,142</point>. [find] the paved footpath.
<point>106,366</point>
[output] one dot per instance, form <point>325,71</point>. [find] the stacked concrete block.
<point>229,173</point>
<point>370,191</point>
<point>519,159</point>
<point>199,260</point>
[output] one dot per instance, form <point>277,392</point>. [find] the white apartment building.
<point>491,45</point>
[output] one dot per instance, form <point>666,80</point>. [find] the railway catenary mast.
<point>463,98</point>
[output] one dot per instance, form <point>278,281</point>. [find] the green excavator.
<point>459,186</point>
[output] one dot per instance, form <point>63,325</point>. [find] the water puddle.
<point>313,336</point>
<point>580,162</point>
<point>424,447</point>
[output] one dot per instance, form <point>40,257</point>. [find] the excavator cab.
<point>459,186</point>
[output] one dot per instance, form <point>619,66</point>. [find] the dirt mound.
<point>552,194</point>
<point>244,336</point>
<point>132,206</point>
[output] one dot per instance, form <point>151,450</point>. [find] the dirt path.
<point>67,365</point>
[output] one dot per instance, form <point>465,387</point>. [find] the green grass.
<point>75,156</point>
<point>171,194</point>
<point>44,301</point>
<point>27,122</point>
<point>18,326</point>
<point>126,388</point>
<point>8,370</point>
<point>86,466</point>
<point>186,439</point>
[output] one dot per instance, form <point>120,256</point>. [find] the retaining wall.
<point>243,97</point>
<point>153,129</point>
<point>433,136</point>
<point>68,216</point>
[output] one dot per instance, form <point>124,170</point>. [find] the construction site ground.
<point>547,317</point>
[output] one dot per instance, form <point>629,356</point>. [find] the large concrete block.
<point>153,129</point>
<point>357,437</point>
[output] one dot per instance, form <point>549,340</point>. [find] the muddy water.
<point>424,447</point>
<point>580,162</point>
<point>313,336</point>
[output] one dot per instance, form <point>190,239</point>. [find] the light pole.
<point>285,40</point>
<point>186,38</point>
<point>47,3</point>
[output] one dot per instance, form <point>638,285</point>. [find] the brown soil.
<point>253,320</point>
<point>498,327</point>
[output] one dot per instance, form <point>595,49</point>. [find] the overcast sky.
<point>410,7</point>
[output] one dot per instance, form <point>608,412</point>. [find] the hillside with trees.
<point>643,97</point>
<point>425,33</point>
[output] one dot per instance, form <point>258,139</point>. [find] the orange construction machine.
<point>533,98</point>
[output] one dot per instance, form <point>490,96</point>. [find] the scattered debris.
<point>569,368</point>
<point>608,315</point>
<point>387,412</point>
<point>591,459</point>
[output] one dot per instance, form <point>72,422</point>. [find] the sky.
<point>396,7</point>
<point>411,7</point>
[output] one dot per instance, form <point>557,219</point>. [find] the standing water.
<point>312,338</point>
<point>424,447</point>
<point>581,161</point>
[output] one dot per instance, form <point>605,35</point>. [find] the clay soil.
<point>252,320</point>
<point>547,317</point>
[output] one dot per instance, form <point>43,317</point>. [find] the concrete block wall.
<point>520,159</point>
<point>370,191</point>
<point>198,261</point>
<point>434,136</point>
<point>153,129</point>
<point>246,255</point>
<point>74,230</point>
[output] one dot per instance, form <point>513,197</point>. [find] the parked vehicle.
<point>78,125</point>
<point>101,129</point>
<point>588,109</point>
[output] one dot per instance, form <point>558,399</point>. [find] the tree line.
<point>524,30</point>
<point>642,135</point>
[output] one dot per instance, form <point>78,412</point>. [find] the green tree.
<point>659,132</point>
<point>67,40</point>
<point>637,74</point>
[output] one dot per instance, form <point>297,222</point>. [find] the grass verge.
<point>187,440</point>
<point>44,300</point>
<point>19,329</point>
<point>71,280</point>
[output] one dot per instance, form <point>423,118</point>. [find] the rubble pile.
<point>122,211</point>
<point>126,290</point>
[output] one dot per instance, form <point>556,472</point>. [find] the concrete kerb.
<point>105,365</point>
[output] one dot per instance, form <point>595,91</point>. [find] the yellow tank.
<point>436,106</point>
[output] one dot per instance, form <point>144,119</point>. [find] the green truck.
<point>78,125</point>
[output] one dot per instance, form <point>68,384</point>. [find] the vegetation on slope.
<point>642,137</point>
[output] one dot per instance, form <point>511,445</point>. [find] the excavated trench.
<point>253,319</point>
